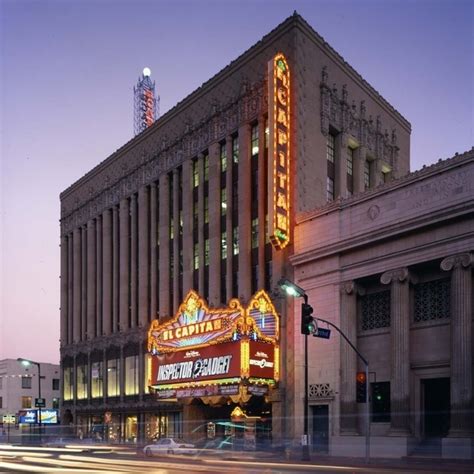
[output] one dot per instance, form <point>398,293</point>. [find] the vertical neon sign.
<point>279,151</point>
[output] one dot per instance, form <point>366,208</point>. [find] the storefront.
<point>216,362</point>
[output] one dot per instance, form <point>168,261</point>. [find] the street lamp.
<point>292,289</point>
<point>27,363</point>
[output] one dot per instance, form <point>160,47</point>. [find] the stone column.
<point>400,338</point>
<point>124,294</point>
<point>360,155</point>
<point>200,164</point>
<point>164,262</point>
<point>64,290</point>
<point>176,283</point>
<point>105,381</point>
<point>107,271</point>
<point>262,199</point>
<point>348,322</point>
<point>70,288</point>
<point>245,286</point>
<point>83,282</point>
<point>143,256</point>
<point>91,278</point>
<point>77,284</point>
<point>461,343</point>
<point>153,253</point>
<point>214,225</point>
<point>133,318</point>
<point>230,206</point>
<point>99,290</point>
<point>116,269</point>
<point>187,227</point>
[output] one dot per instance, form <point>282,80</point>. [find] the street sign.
<point>40,402</point>
<point>9,419</point>
<point>323,333</point>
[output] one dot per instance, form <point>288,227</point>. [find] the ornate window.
<point>375,310</point>
<point>432,300</point>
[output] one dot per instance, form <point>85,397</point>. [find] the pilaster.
<point>107,266</point>
<point>77,285</point>
<point>133,268</point>
<point>83,282</point>
<point>143,256</point>
<point>124,297</point>
<point>164,260</point>
<point>99,276</point>
<point>64,290</point>
<point>153,252</point>
<point>187,227</point>
<point>91,278</point>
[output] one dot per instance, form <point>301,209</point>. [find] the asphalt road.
<point>119,460</point>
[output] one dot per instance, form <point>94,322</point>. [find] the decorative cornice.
<point>350,287</point>
<point>462,260</point>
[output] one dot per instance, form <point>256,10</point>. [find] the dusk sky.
<point>67,73</point>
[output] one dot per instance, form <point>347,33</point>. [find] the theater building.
<point>171,250</point>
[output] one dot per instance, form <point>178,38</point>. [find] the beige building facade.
<point>188,204</point>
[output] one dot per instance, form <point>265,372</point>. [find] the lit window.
<point>223,201</point>
<point>26,402</point>
<point>224,245</point>
<point>235,241</point>
<point>131,375</point>
<point>68,381</point>
<point>206,210</point>
<point>113,378</point>
<point>96,380</point>
<point>171,228</point>
<point>196,256</point>
<point>235,149</point>
<point>206,252</point>
<point>223,156</point>
<point>267,134</point>
<point>254,140</point>
<point>81,381</point>
<point>330,148</point>
<point>350,161</point>
<point>206,167</point>
<point>195,173</point>
<point>255,233</point>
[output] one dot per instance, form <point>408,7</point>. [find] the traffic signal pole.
<point>366,363</point>
<point>305,453</point>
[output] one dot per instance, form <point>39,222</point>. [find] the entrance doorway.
<point>436,407</point>
<point>320,415</point>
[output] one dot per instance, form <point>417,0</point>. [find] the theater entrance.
<point>435,407</point>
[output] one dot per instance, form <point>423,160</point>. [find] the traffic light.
<point>307,321</point>
<point>361,387</point>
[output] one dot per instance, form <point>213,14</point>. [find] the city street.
<point>116,459</point>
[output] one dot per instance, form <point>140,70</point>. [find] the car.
<point>169,446</point>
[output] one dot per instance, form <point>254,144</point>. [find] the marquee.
<point>212,352</point>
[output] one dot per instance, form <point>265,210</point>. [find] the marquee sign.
<point>279,151</point>
<point>207,352</point>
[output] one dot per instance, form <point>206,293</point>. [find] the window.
<point>331,170</point>
<point>235,240</point>
<point>131,375</point>
<point>97,379</point>
<point>206,167</point>
<point>223,201</point>
<point>350,170</point>
<point>366,174</point>
<point>235,149</point>
<point>375,310</point>
<point>26,402</point>
<point>255,233</point>
<point>55,402</point>
<point>254,140</point>
<point>81,381</point>
<point>224,245</point>
<point>25,381</point>
<point>329,189</point>
<point>206,252</point>
<point>1,402</point>
<point>380,397</point>
<point>55,384</point>
<point>195,214</point>
<point>196,256</point>
<point>432,300</point>
<point>206,210</point>
<point>195,173</point>
<point>113,378</point>
<point>68,387</point>
<point>223,156</point>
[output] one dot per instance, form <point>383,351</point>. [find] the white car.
<point>168,446</point>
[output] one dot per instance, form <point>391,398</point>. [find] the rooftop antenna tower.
<point>146,103</point>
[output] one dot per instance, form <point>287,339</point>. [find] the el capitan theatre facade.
<point>224,358</point>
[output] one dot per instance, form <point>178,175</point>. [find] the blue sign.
<point>27,416</point>
<point>48,417</point>
<point>322,333</point>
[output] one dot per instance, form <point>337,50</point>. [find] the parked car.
<point>169,446</point>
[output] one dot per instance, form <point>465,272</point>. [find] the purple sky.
<point>67,72</point>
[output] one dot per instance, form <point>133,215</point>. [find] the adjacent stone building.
<point>285,163</point>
